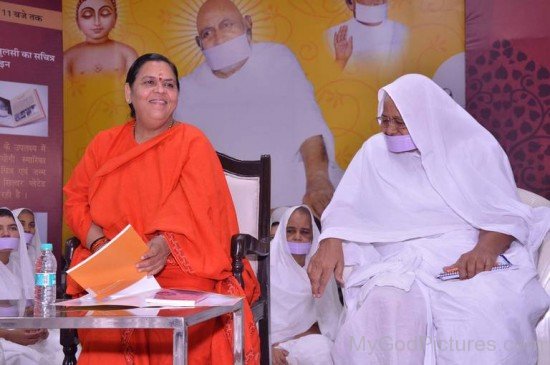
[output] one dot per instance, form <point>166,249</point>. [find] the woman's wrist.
<point>98,243</point>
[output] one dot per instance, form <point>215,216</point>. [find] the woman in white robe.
<point>441,195</point>
<point>32,236</point>
<point>302,328</point>
<point>23,347</point>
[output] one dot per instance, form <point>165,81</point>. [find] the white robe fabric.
<point>267,107</point>
<point>17,283</point>
<point>33,248</point>
<point>293,308</point>
<point>380,45</point>
<point>404,216</point>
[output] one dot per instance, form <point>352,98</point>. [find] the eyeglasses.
<point>398,122</point>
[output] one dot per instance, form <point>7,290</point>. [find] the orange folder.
<point>113,267</point>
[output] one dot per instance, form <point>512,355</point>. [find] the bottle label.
<point>44,279</point>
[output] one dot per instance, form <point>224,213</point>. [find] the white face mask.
<point>229,53</point>
<point>371,14</point>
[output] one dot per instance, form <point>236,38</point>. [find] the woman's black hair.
<point>139,62</point>
<point>6,213</point>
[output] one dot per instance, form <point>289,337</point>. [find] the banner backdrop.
<point>31,113</point>
<point>508,77</point>
<point>426,36</point>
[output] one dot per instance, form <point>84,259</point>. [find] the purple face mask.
<point>299,248</point>
<point>228,53</point>
<point>400,143</point>
<point>11,311</point>
<point>28,237</point>
<point>9,243</point>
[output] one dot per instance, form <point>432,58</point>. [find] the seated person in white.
<point>434,191</point>
<point>302,327</point>
<point>21,347</point>
<point>252,99</point>
<point>369,37</point>
<point>32,237</point>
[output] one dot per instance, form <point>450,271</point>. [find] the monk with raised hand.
<point>259,89</point>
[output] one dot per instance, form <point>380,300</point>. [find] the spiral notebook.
<point>502,264</point>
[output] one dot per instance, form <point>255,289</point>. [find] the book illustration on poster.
<point>22,109</point>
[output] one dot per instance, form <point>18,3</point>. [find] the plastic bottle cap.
<point>46,247</point>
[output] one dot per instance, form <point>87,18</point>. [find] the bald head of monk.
<point>218,22</point>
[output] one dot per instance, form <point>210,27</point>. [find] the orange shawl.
<point>174,185</point>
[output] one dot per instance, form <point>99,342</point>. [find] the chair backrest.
<point>250,183</point>
<point>543,263</point>
<point>543,268</point>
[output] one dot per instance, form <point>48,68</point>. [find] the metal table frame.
<point>178,319</point>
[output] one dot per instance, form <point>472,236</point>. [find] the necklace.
<point>135,122</point>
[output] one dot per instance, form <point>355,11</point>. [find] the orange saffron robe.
<point>173,185</point>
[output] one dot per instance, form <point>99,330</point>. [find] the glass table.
<point>23,315</point>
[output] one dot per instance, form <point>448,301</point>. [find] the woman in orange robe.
<point>164,178</point>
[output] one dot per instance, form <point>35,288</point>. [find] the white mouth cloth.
<point>371,14</point>
<point>228,53</point>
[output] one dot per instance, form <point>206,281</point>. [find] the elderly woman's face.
<point>154,94</point>
<point>391,122</point>
<point>96,18</point>
<point>298,228</point>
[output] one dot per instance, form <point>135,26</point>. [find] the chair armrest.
<point>242,245</point>
<point>70,246</point>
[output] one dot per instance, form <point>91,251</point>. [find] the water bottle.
<point>44,277</point>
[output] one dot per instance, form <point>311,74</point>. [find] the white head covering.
<point>459,165</point>
<point>33,248</point>
<point>293,308</point>
<point>16,278</point>
<point>277,214</point>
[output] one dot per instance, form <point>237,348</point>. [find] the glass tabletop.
<point>23,314</point>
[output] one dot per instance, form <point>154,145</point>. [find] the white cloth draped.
<point>16,283</point>
<point>404,216</point>
<point>293,308</point>
<point>33,249</point>
<point>267,107</point>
